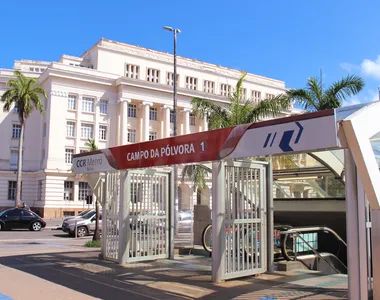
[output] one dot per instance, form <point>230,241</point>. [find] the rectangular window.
<point>153,113</point>
<point>172,116</point>
<point>152,136</point>
<point>102,132</point>
<point>87,131</point>
<point>72,102</point>
<point>153,75</point>
<point>15,109</point>
<point>209,86</point>
<point>88,104</point>
<point>103,105</point>
<point>13,160</point>
<point>68,190</point>
<point>70,129</point>
<point>83,191</point>
<point>39,191</point>
<point>131,135</point>
<point>170,79</point>
<point>191,83</point>
<point>243,93</point>
<point>69,155</point>
<point>192,120</point>
<point>225,90</point>
<point>132,71</point>
<point>132,111</point>
<point>256,96</point>
<point>16,131</point>
<point>269,96</point>
<point>12,188</point>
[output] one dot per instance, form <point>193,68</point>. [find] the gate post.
<point>171,204</point>
<point>218,216</point>
<point>123,218</point>
<point>270,217</point>
<point>103,202</point>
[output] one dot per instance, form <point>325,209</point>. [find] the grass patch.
<point>93,244</point>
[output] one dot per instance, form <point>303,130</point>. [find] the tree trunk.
<point>96,236</point>
<point>19,165</point>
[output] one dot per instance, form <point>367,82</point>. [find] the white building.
<point>116,94</point>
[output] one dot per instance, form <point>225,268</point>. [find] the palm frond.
<point>91,145</point>
<point>218,114</point>
<point>197,174</point>
<point>315,89</point>
<point>302,97</point>
<point>346,87</point>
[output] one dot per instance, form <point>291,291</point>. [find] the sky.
<point>287,40</point>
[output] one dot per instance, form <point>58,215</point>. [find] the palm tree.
<point>25,94</point>
<point>239,110</point>
<point>315,98</point>
<point>91,146</point>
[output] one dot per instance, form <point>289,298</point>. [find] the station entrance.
<point>137,189</point>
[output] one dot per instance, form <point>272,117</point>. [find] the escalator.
<point>303,244</point>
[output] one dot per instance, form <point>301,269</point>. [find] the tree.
<point>25,94</point>
<point>91,146</point>
<point>239,110</point>
<point>315,98</point>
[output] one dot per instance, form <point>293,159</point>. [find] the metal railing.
<point>296,233</point>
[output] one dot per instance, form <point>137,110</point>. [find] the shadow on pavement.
<point>186,278</point>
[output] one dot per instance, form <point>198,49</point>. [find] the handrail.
<point>297,231</point>
<point>311,229</point>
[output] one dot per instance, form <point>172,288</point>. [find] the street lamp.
<point>175,170</point>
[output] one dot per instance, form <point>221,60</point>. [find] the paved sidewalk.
<point>82,275</point>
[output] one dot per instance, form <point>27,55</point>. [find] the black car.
<point>20,218</point>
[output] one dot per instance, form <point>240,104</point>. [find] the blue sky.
<point>286,40</point>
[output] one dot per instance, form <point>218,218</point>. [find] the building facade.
<point>116,94</point>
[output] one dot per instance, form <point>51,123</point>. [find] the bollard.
<point>75,230</point>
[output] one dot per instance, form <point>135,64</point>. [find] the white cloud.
<point>349,67</point>
<point>371,68</point>
<point>363,97</point>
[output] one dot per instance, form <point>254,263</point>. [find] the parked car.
<point>80,214</point>
<point>20,218</point>
<point>85,224</point>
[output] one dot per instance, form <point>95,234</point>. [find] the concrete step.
<point>287,266</point>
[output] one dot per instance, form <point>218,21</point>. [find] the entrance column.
<point>146,108</point>
<point>123,130</point>
<point>218,215</point>
<point>186,120</point>
<point>167,109</point>
<point>205,122</point>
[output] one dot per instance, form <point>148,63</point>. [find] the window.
<point>69,155</point>
<point>16,131</point>
<point>153,113</point>
<point>172,116</point>
<point>44,130</point>
<point>132,71</point>
<point>103,106</point>
<point>132,111</point>
<point>243,93</point>
<point>102,132</point>
<point>88,104</point>
<point>131,135</point>
<point>15,109</point>
<point>14,213</point>
<point>269,96</point>
<point>31,69</point>
<point>256,96</point>
<point>191,83</point>
<point>152,136</point>
<point>209,86</point>
<point>225,89</point>
<point>72,102</point>
<point>192,120</point>
<point>83,191</point>
<point>68,190</point>
<point>39,190</point>
<point>12,187</point>
<point>70,129</point>
<point>87,131</point>
<point>170,79</point>
<point>14,159</point>
<point>153,75</point>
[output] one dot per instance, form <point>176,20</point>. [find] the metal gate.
<point>245,219</point>
<point>147,196</point>
<point>111,216</point>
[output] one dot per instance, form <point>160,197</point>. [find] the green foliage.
<point>315,98</point>
<point>93,244</point>
<point>91,146</point>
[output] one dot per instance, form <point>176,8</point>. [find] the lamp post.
<point>175,170</point>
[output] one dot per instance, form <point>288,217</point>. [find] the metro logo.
<point>81,163</point>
